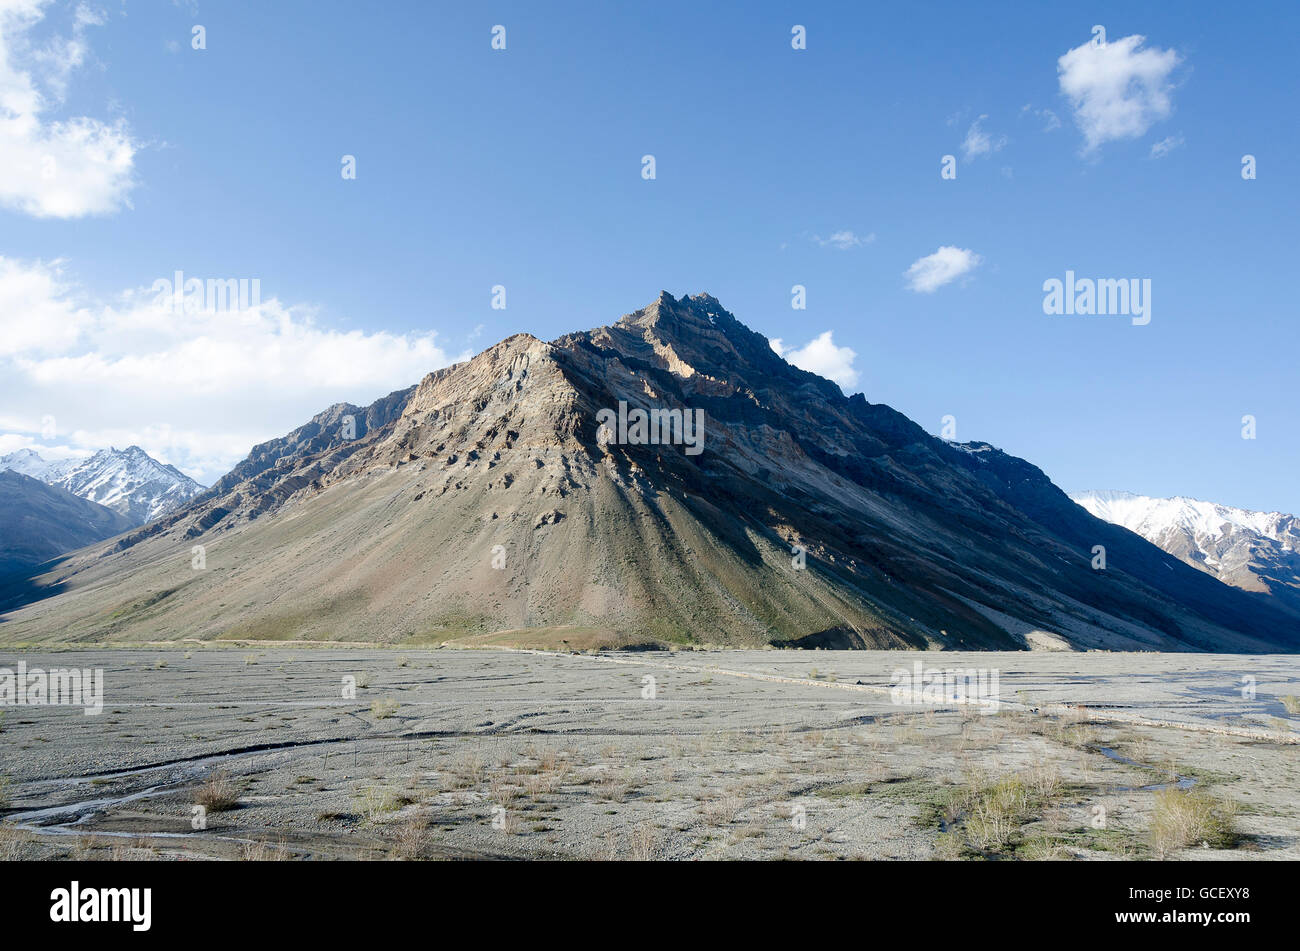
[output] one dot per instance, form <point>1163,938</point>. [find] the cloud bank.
<point>65,168</point>
<point>197,390</point>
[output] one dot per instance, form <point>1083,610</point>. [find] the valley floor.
<point>258,753</point>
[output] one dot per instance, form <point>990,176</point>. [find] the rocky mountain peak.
<point>129,481</point>
<point>481,500</point>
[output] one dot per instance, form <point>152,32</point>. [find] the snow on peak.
<point>1152,517</point>
<point>25,461</point>
<point>129,481</point>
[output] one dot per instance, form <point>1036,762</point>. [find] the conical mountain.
<point>487,499</point>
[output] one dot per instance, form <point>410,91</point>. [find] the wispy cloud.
<point>194,389</point>
<point>821,356</point>
<point>928,274</point>
<point>978,142</point>
<point>64,168</point>
<point>1165,146</point>
<point>844,240</point>
<point>1117,90</point>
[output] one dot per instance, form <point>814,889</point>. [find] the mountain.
<point>39,522</point>
<point>26,462</point>
<point>494,502</point>
<point>1254,551</point>
<point>128,481</point>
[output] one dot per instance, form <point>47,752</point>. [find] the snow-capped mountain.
<point>26,462</point>
<point>1256,551</point>
<point>128,481</point>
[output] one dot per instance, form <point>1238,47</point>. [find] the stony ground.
<point>262,753</point>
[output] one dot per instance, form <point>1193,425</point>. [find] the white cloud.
<point>1117,90</point>
<point>928,274</point>
<point>821,356</point>
<point>12,442</point>
<point>1165,146</point>
<point>37,313</point>
<point>197,390</point>
<point>844,240</point>
<point>54,168</point>
<point>978,142</point>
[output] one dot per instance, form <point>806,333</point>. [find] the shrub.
<point>219,793</point>
<point>1185,817</point>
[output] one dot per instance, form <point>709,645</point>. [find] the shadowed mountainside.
<point>39,522</point>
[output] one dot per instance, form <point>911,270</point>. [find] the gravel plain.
<point>263,752</point>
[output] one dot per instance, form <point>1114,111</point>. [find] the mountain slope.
<point>39,522</point>
<point>485,499</point>
<point>1254,551</point>
<point>128,481</point>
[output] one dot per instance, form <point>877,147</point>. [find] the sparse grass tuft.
<point>1292,704</point>
<point>988,817</point>
<point>376,801</point>
<point>219,793</point>
<point>263,852</point>
<point>613,788</point>
<point>949,846</point>
<point>411,838</point>
<point>1045,780</point>
<point>645,844</point>
<point>469,769</point>
<point>997,812</point>
<point>1187,817</point>
<point>383,709</point>
<point>1042,848</point>
<point>502,793</point>
<point>723,809</point>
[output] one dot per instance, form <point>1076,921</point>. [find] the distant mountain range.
<point>1254,551</point>
<point>128,481</point>
<point>39,522</point>
<point>513,497</point>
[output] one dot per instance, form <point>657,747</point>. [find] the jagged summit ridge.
<point>129,481</point>
<point>483,499</point>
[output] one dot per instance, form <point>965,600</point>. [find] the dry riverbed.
<point>266,753</point>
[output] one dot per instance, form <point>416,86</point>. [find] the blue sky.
<point>523,168</point>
